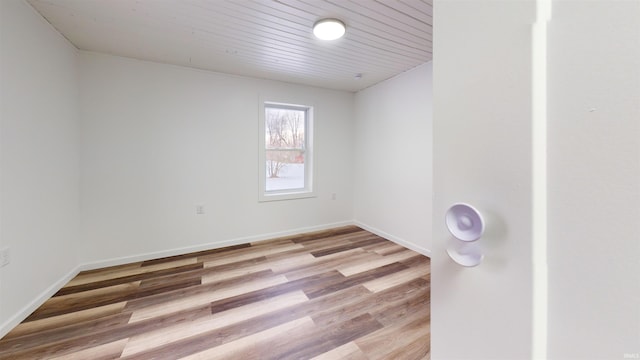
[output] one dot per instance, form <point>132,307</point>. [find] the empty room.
<point>209,179</point>
<point>319,179</point>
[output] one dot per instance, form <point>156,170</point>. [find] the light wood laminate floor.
<point>343,293</point>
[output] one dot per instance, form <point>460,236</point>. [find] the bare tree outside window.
<point>285,145</point>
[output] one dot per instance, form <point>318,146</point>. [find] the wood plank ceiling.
<point>268,39</point>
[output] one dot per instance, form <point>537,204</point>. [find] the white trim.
<point>209,246</point>
<point>246,240</point>
<point>408,244</point>
<point>288,195</point>
<point>539,73</point>
<point>16,319</point>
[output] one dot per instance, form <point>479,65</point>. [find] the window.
<point>286,155</point>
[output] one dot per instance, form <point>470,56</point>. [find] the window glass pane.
<point>285,148</point>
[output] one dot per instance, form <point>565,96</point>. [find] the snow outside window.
<point>286,152</point>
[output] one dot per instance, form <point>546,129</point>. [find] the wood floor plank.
<point>247,253</point>
<point>194,254</point>
<point>304,284</point>
<point>413,350</point>
<point>379,344</point>
<point>327,242</point>
<point>234,272</point>
<point>102,352</point>
<point>203,298</point>
<point>385,248</point>
<point>330,262</point>
<point>286,264</point>
<point>238,330</point>
<point>195,274</point>
<point>348,351</point>
<point>394,279</point>
<point>140,303</point>
<point>386,306</point>
<point>231,332</point>
<point>71,289</point>
<point>96,338</point>
<point>357,279</point>
<point>415,304</point>
<point>311,236</point>
<point>341,293</point>
<point>418,260</point>
<point>373,239</point>
<point>31,327</point>
<point>338,240</point>
<point>348,269</point>
<point>85,300</point>
<point>72,331</point>
<point>166,335</point>
<point>323,339</point>
<point>110,269</point>
<point>89,277</point>
<point>254,346</point>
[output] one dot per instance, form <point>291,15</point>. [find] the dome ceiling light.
<point>328,29</point>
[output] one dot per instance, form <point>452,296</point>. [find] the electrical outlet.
<point>199,209</point>
<point>5,258</point>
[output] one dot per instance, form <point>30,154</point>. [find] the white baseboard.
<point>219,244</point>
<point>409,245</point>
<point>39,300</point>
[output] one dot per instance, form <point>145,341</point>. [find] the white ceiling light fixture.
<point>328,29</point>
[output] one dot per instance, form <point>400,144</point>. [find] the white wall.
<point>594,180</point>
<point>482,155</point>
<point>393,158</point>
<point>157,140</point>
<point>39,159</point>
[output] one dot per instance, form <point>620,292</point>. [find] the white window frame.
<point>287,194</point>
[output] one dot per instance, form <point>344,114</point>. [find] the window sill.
<point>289,195</point>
